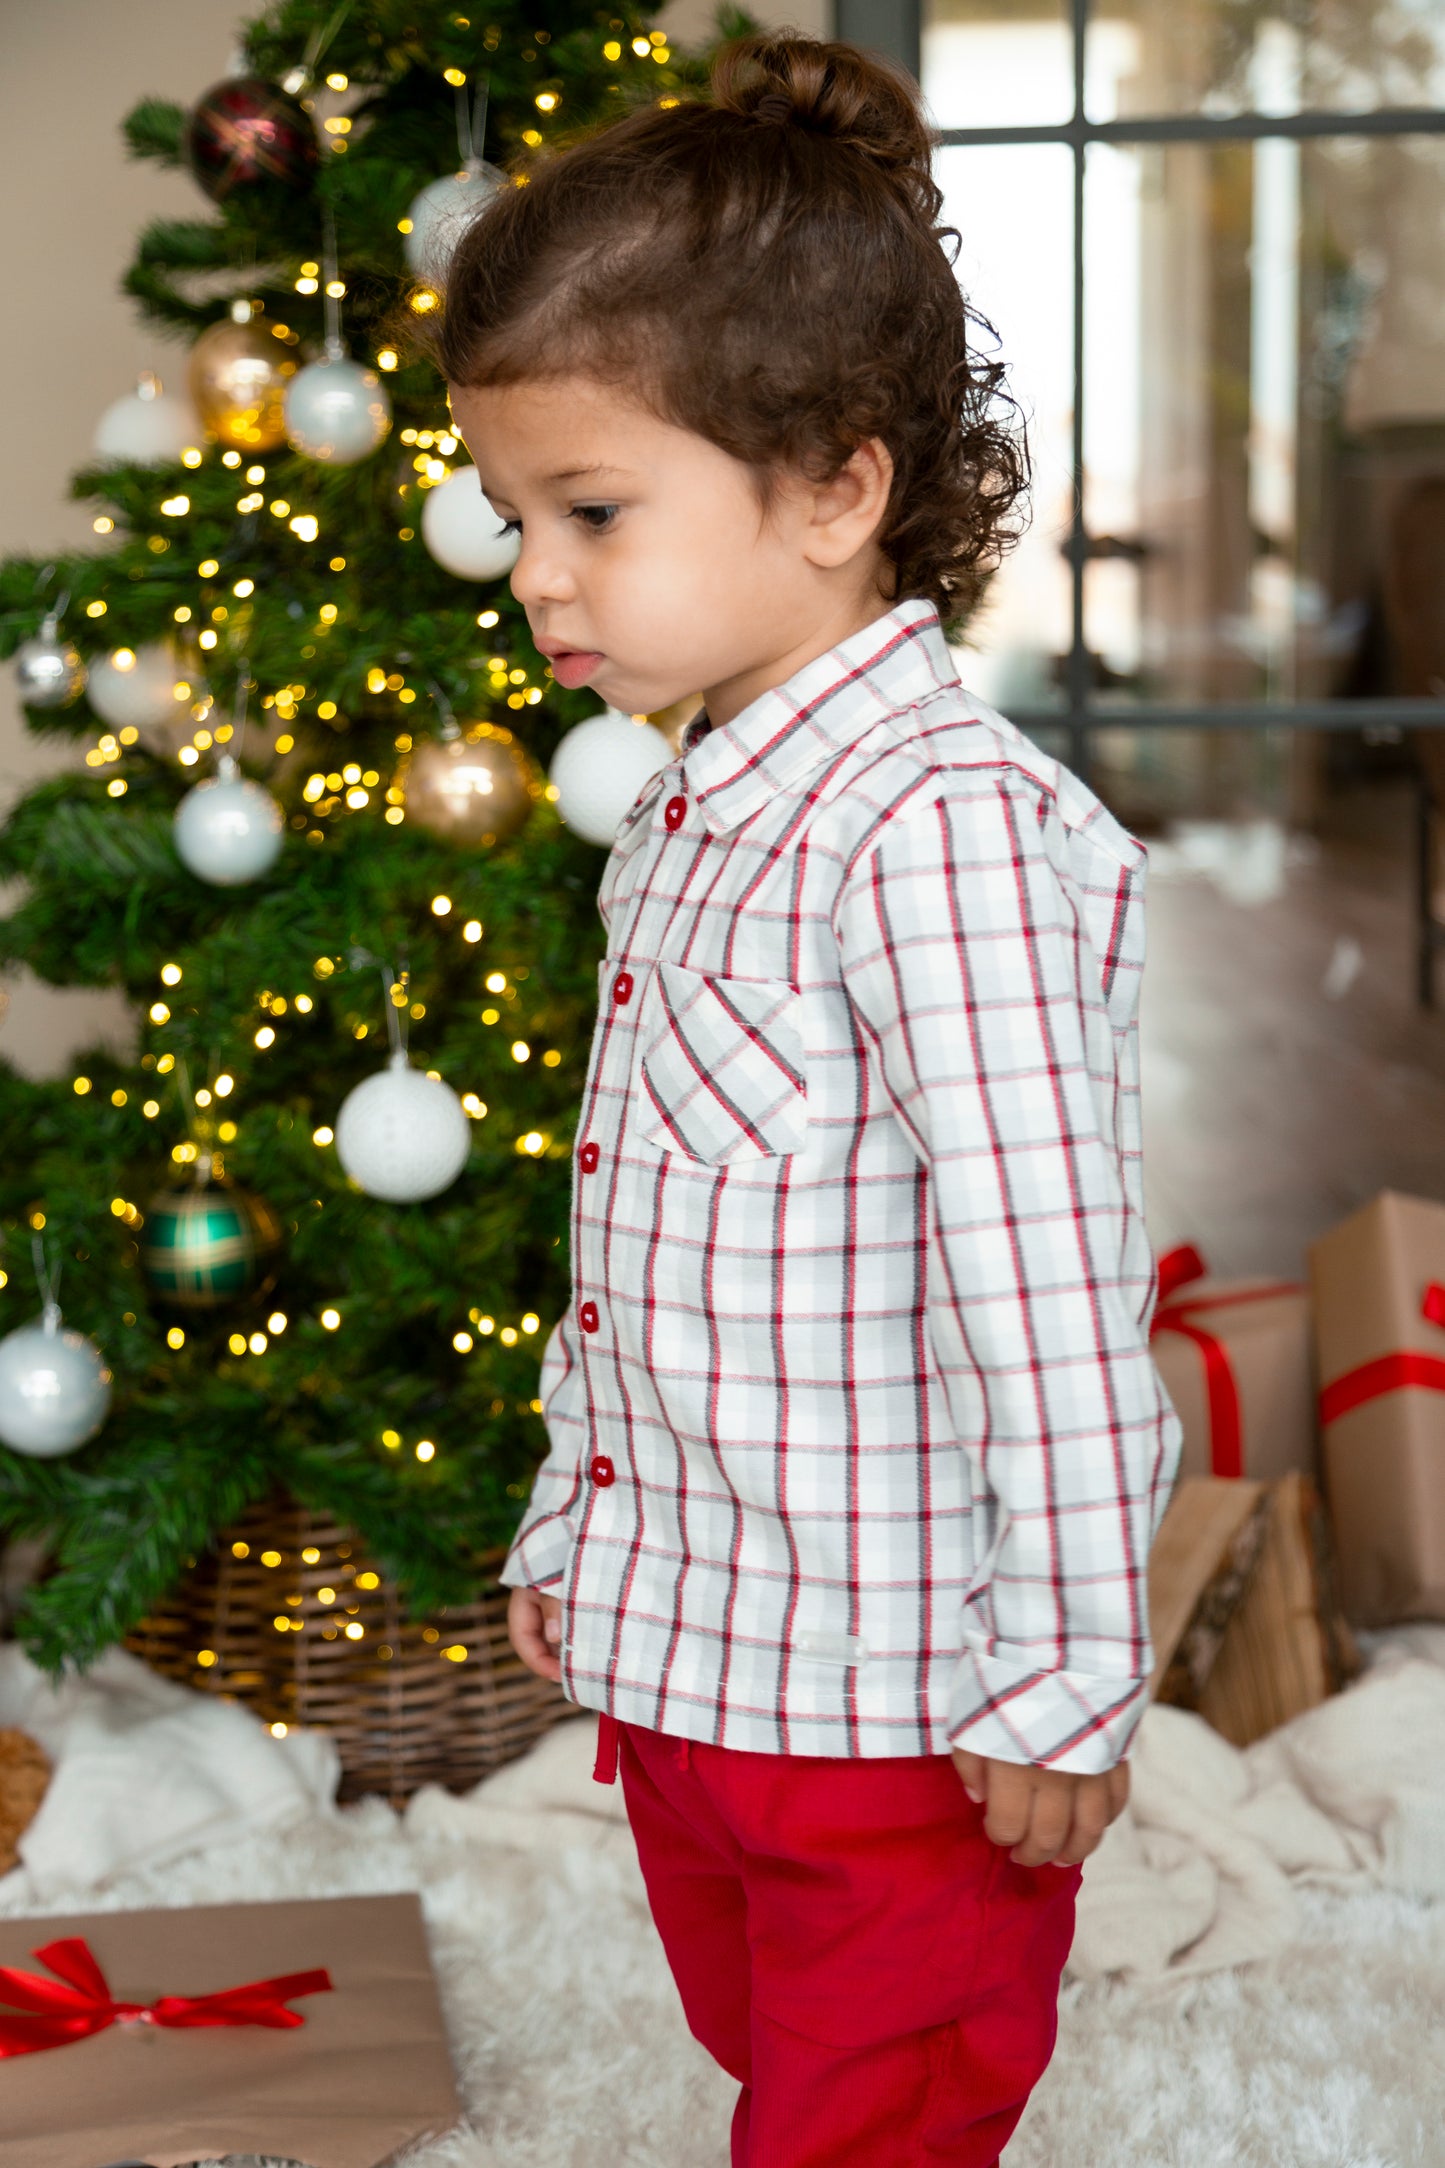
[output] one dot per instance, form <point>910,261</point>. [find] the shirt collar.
<point>892,664</point>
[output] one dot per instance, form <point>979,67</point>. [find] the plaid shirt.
<point>857,1444</point>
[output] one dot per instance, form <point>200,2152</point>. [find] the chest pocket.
<point>722,1074</point>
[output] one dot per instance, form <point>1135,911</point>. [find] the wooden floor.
<point>1288,1074</point>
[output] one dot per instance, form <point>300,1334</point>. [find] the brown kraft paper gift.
<point>1379,1306</point>
<point>1236,1361</point>
<point>367,2073</point>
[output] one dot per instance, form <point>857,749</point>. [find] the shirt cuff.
<point>539,1554</point>
<point>1043,1719</point>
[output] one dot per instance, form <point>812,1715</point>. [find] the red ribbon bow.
<point>1389,1373</point>
<point>1177,1268</point>
<point>59,2013</point>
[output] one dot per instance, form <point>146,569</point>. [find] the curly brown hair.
<point>768,271</point>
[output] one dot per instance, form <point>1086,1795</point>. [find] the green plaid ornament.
<point>209,1245</point>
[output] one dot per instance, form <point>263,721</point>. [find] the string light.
<point>331,1319</point>
<point>425,1450</point>
<point>95,609</point>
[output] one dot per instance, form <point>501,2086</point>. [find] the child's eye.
<point>509,526</point>
<point>597,517</point>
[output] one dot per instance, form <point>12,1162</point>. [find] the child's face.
<point>647,570</point>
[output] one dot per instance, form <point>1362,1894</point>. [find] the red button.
<point>589,1156</point>
<point>602,1471</point>
<point>587,1317</point>
<point>622,988</point>
<point>675,812</point>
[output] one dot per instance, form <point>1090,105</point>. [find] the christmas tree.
<point>313,823</point>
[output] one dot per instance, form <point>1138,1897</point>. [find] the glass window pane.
<point>1013,207</point>
<point>1272,56</point>
<point>1265,420</point>
<point>998,63</point>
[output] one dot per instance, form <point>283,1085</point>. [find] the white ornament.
<point>48,670</point>
<point>599,769</point>
<point>401,1135</point>
<point>462,529</point>
<point>228,830</point>
<point>337,411</point>
<point>54,1388</point>
<point>442,212</point>
<point>149,427</point>
<point>135,686</point>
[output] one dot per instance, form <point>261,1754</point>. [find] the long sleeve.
<point>992,962</point>
<point>543,1542</point>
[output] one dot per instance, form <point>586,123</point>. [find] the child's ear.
<point>848,510</point>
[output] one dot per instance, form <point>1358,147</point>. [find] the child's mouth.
<point>573,666</point>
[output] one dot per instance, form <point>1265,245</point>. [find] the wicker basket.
<point>287,1615</point>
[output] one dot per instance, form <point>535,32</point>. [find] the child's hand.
<point>534,1623</point>
<point>1046,1814</point>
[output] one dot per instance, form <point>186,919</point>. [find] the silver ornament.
<point>54,1388</point>
<point>228,830</point>
<point>402,1136</point>
<point>337,411</point>
<point>463,530</point>
<point>599,768</point>
<point>149,427</point>
<point>136,687</point>
<point>48,671</point>
<point>441,214</point>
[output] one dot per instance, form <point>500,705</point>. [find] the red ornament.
<point>246,133</point>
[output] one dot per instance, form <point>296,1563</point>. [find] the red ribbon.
<point>1177,1268</point>
<point>1389,1373</point>
<point>78,2001</point>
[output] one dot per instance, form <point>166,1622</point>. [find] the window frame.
<point>896,28</point>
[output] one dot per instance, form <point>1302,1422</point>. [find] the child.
<point>857,1448</point>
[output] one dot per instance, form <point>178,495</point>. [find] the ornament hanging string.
<point>451,728</point>
<point>472,119</point>
<point>335,351</point>
<point>47,1278</point>
<point>396,989</point>
<point>296,79</point>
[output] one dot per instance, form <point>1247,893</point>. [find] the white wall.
<point>74,204</point>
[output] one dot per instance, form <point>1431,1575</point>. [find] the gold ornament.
<point>239,374</point>
<point>673,720</point>
<point>475,787</point>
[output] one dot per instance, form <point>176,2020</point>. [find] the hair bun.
<point>830,89</point>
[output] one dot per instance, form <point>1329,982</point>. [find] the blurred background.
<point>1208,235</point>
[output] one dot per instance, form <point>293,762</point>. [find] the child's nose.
<point>539,578</point>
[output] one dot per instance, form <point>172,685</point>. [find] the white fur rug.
<point>573,2053</point>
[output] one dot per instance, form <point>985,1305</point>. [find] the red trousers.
<point>850,1945</point>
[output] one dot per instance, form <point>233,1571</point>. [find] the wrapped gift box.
<point>1244,1612</point>
<point>364,2075</point>
<point>1378,1283</point>
<point>1237,1362</point>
